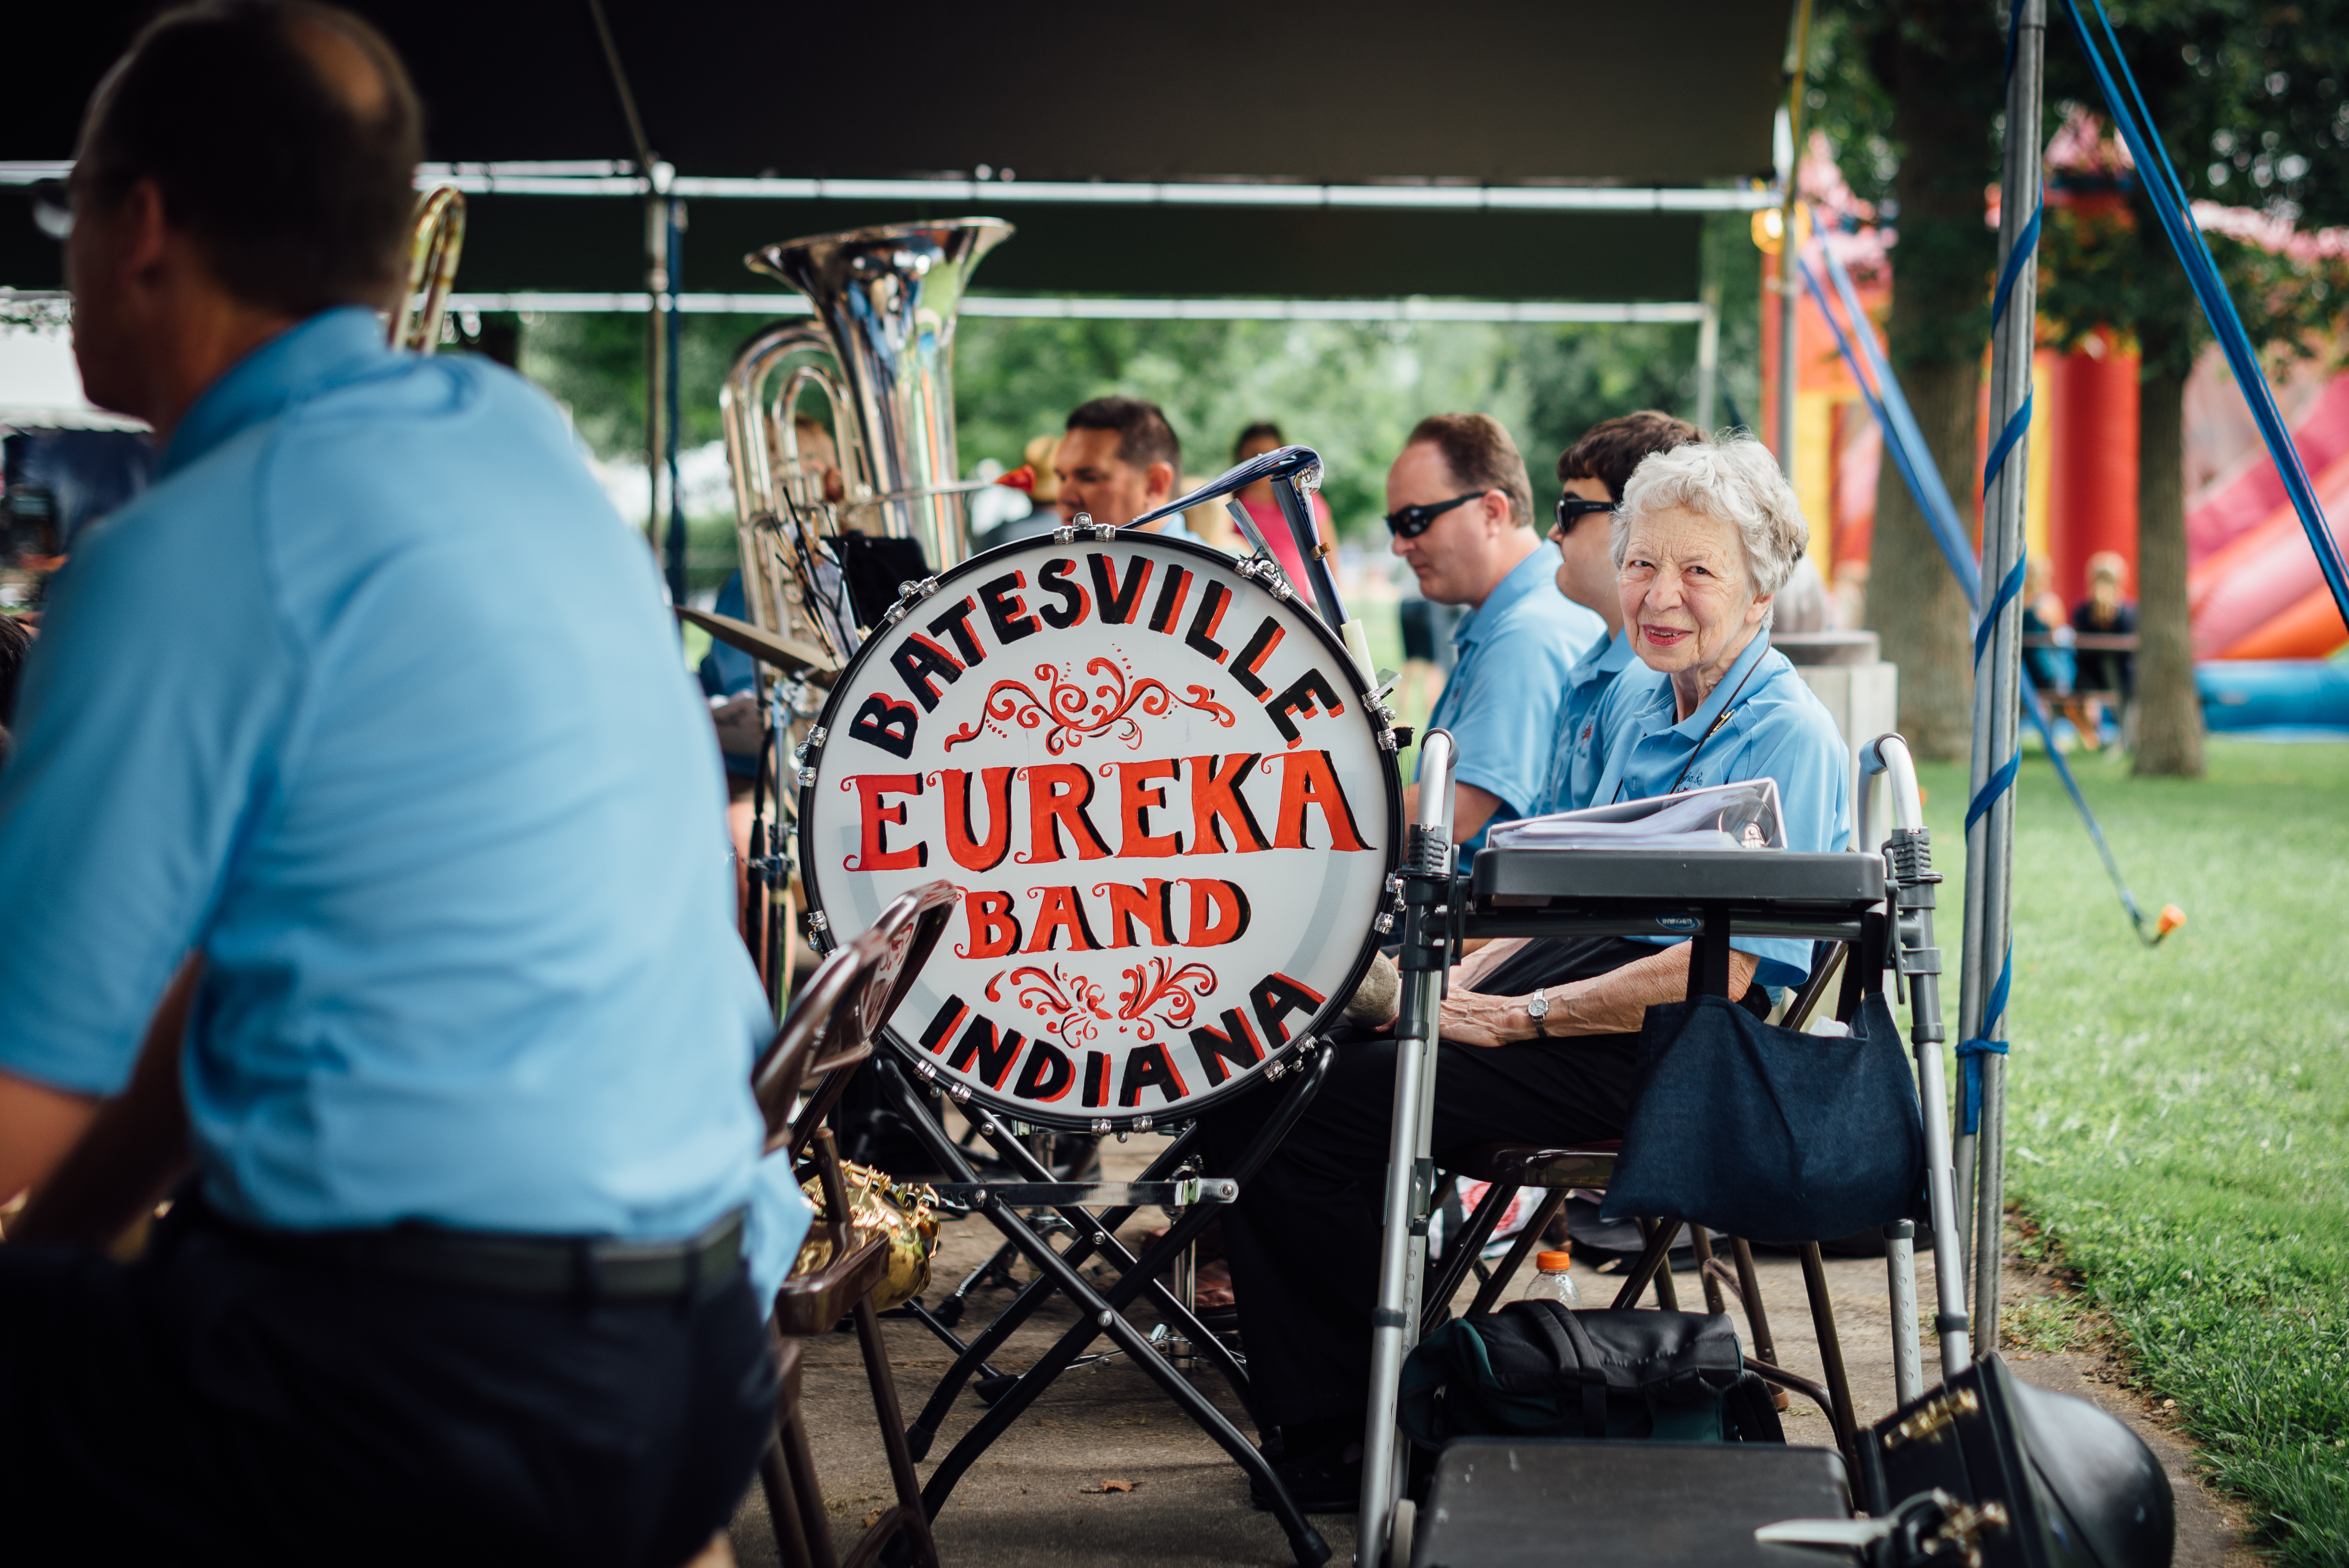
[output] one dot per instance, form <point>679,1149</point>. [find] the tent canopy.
<point>1493,93</point>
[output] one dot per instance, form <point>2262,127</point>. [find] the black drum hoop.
<point>1277,1063</point>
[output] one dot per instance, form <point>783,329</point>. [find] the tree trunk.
<point>1914,602</point>
<point>2168,715</point>
<point>1940,65</point>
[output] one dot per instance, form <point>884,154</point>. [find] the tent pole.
<point>672,350</point>
<point>656,362</point>
<point>1798,60</point>
<point>1990,842</point>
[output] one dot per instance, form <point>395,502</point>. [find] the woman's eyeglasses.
<point>1572,510</point>
<point>1412,521</point>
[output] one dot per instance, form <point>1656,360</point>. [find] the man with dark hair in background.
<point>1593,472</point>
<point>1460,508</point>
<point>1119,459</point>
<point>415,893</point>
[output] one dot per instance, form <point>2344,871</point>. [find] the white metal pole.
<point>1989,844</point>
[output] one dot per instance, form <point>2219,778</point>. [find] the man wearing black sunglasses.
<point>1593,472</point>
<point>1460,507</point>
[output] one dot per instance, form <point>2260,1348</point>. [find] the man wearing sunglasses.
<point>1593,472</point>
<point>1460,507</point>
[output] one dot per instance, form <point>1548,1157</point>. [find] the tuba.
<point>880,354</point>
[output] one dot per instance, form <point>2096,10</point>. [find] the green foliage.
<point>1351,390</point>
<point>2247,94</point>
<point>2176,1117</point>
<point>595,363</point>
<point>1909,93</point>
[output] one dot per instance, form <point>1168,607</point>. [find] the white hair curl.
<point>1733,478</point>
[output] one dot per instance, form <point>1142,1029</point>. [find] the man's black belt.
<point>580,1268</point>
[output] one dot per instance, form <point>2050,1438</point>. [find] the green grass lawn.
<point>2176,1117</point>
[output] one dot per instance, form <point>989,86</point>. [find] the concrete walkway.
<point>1043,1493</point>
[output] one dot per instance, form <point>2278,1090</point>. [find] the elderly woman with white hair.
<point>1541,1038</point>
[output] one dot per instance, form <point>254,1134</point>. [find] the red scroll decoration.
<point>1069,1004</point>
<point>1179,989</point>
<point>1070,715</point>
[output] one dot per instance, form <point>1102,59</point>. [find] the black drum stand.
<point>1092,1212</point>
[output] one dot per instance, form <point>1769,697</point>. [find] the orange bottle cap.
<point>1554,1262</point>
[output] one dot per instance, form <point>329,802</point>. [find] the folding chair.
<point>827,1036</point>
<point>1880,905</point>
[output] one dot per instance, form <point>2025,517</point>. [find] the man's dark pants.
<point>220,1402</point>
<point>1303,1239</point>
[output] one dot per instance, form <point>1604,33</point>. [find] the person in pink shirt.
<point>1254,441</point>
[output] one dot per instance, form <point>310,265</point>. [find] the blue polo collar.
<point>329,349</point>
<point>1693,729</point>
<point>1534,574</point>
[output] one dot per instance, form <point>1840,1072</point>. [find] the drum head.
<point>1168,805</point>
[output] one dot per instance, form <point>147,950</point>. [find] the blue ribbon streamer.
<point>1940,516</point>
<point>1971,1052</point>
<point>1903,439</point>
<point>2167,194</point>
<point>2008,592</point>
<point>2018,425</point>
<point>1994,786</point>
<point>2026,246</point>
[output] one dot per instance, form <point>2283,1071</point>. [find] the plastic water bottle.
<point>1551,1282</point>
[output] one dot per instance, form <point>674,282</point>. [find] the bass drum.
<point>1167,799</point>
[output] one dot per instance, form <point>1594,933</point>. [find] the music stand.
<point>1708,896</point>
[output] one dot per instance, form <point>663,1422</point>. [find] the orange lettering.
<point>1219,912</point>
<point>1059,909</point>
<point>1058,793</point>
<point>874,853</point>
<point>969,850</point>
<point>994,929</point>
<point>1306,779</point>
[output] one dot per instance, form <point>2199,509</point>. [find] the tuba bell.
<point>880,352</point>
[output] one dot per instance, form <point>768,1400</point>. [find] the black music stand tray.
<point>1101,1312</point>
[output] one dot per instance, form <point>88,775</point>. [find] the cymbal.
<point>795,658</point>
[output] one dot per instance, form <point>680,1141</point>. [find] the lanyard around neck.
<point>1727,710</point>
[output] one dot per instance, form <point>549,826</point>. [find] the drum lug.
<point>819,930</point>
<point>813,743</point>
<point>1384,924</point>
<point>908,595</point>
<point>1065,534</point>
<point>1101,1124</point>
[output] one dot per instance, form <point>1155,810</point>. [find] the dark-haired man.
<point>1460,507</point>
<point>1119,459</point>
<point>1593,472</point>
<point>453,1027</point>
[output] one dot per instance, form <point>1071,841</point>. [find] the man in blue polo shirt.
<point>459,1039</point>
<point>1592,472</point>
<point>1461,511</point>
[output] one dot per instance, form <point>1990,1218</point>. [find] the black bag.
<point>1768,1133</point>
<point>1536,1370</point>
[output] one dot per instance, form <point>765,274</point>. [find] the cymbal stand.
<point>1425,960</point>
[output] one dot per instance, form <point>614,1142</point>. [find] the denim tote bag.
<point>1768,1133</point>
